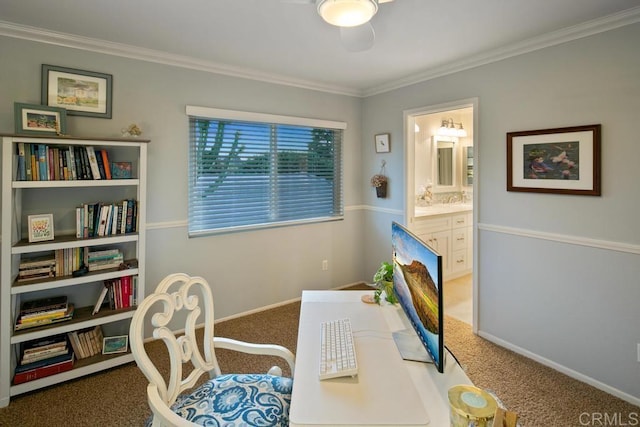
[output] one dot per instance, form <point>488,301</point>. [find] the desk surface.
<point>387,391</point>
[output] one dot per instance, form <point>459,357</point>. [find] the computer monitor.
<point>417,284</point>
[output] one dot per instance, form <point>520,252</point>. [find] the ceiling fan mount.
<point>352,17</point>
<point>347,13</point>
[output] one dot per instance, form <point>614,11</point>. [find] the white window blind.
<point>250,170</point>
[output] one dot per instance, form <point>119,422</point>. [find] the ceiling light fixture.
<point>449,128</point>
<point>347,13</point>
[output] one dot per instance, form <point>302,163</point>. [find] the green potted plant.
<point>383,280</point>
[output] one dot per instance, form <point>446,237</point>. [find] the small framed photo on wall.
<point>383,143</point>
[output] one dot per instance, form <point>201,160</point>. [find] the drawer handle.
<point>460,261</point>
<point>460,239</point>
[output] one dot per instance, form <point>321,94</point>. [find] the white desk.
<point>387,391</point>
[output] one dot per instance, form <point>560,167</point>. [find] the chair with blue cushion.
<point>223,400</point>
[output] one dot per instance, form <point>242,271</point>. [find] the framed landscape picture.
<point>115,344</point>
<point>81,93</point>
<point>39,119</point>
<point>560,160</point>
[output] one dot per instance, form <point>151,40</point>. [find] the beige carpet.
<point>541,396</point>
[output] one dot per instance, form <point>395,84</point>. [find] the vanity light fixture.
<point>347,13</point>
<point>449,128</point>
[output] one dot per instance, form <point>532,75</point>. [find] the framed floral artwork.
<point>561,160</point>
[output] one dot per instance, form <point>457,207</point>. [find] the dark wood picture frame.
<point>560,161</point>
<point>81,93</point>
<point>31,119</point>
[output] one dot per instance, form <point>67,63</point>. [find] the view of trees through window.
<point>252,173</point>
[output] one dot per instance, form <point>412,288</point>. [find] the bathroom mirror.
<point>444,163</point>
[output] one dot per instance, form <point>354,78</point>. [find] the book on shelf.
<point>107,163</point>
<point>87,342</point>
<point>44,162</point>
<point>67,315</point>
<point>105,219</point>
<point>36,262</point>
<point>43,362</point>
<point>100,161</point>
<point>43,349</point>
<point>49,314</point>
<point>36,276</point>
<point>100,301</point>
<point>93,162</point>
<point>63,365</point>
<point>35,346</point>
<point>22,168</point>
<point>43,172</point>
<point>26,360</point>
<point>122,292</point>
<point>43,304</point>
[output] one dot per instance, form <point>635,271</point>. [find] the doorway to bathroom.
<point>440,193</point>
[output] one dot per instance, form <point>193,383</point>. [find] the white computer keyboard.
<point>337,350</point>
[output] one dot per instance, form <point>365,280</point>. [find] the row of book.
<point>43,357</point>
<point>44,311</point>
<point>104,259</point>
<point>36,268</point>
<point>63,262</point>
<point>42,162</point>
<point>118,293</point>
<point>86,343</point>
<point>56,354</point>
<point>106,219</point>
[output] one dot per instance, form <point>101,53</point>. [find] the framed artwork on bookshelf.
<point>121,170</point>
<point>115,344</point>
<point>39,119</point>
<point>40,227</point>
<point>82,93</point>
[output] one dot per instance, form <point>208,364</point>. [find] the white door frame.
<point>409,179</point>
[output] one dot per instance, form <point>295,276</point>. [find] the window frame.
<point>207,113</point>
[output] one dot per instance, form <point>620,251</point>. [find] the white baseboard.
<point>560,368</point>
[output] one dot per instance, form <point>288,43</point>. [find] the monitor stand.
<point>410,346</point>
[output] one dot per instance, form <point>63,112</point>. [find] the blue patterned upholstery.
<point>238,400</point>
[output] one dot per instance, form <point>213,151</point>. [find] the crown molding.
<point>40,35</point>
<point>610,22</point>
<point>585,29</point>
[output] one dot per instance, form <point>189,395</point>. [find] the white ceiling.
<point>286,41</point>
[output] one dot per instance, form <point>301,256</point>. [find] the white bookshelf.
<point>21,198</point>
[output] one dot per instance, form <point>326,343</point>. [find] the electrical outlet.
<point>325,267</point>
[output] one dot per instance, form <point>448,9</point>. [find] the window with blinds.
<point>246,173</point>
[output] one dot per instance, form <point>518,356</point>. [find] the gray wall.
<point>558,276</point>
<point>247,270</point>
